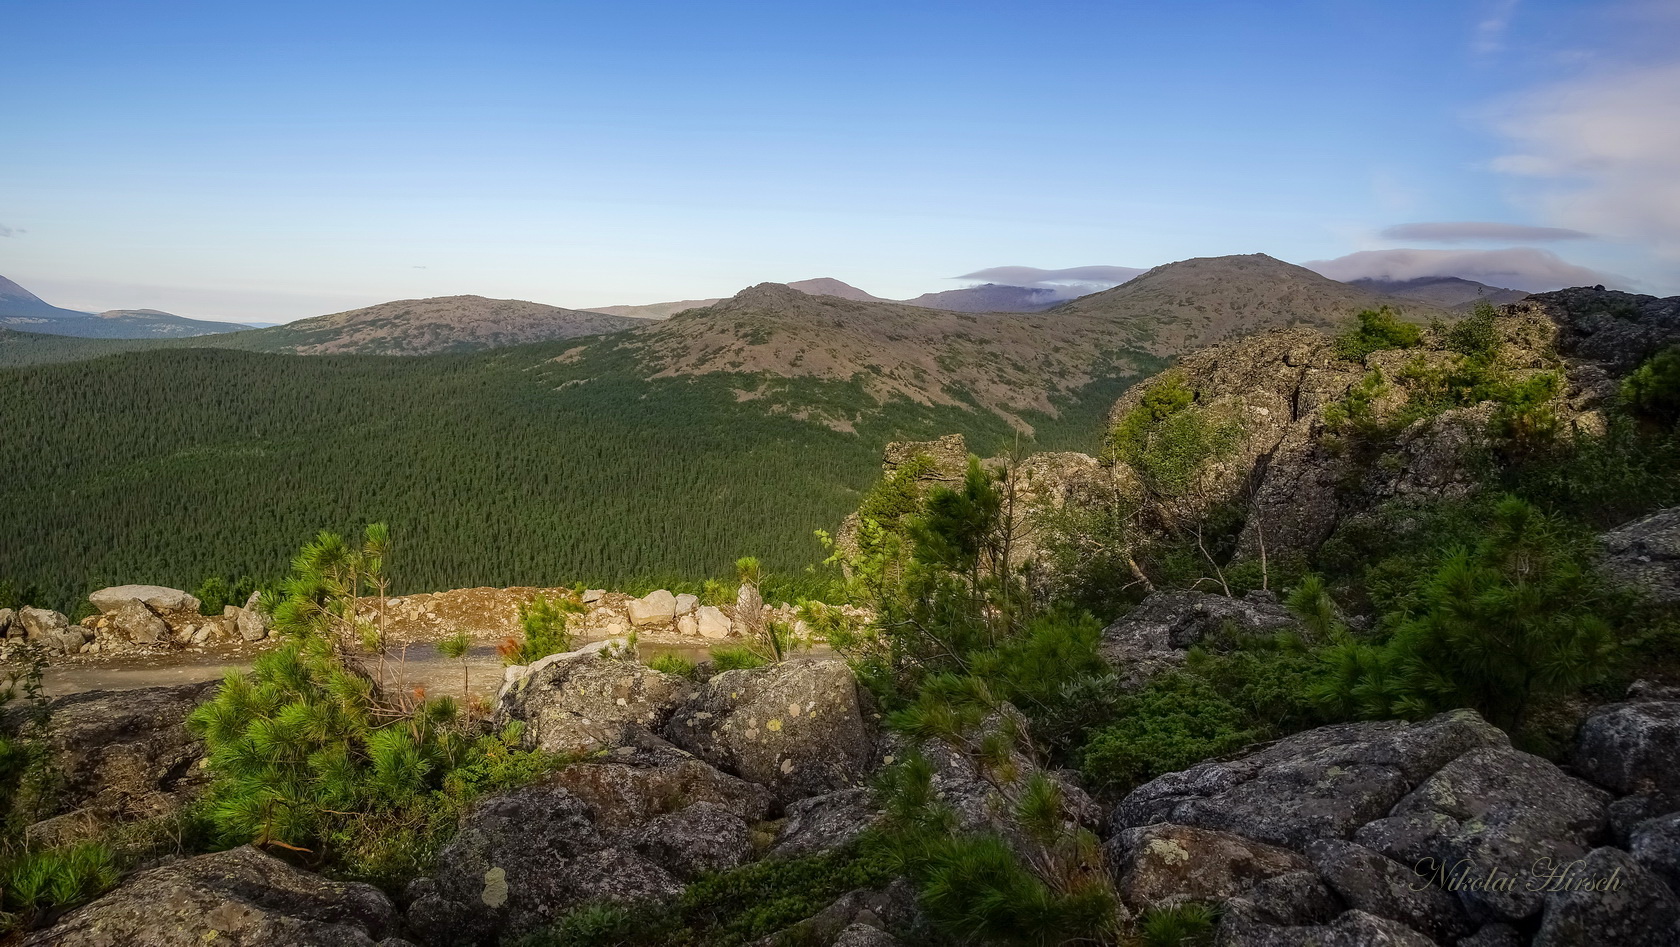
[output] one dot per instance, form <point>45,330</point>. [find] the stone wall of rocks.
<point>133,619</point>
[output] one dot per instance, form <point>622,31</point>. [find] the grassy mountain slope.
<point>1008,363</point>
<point>1192,303</point>
<point>429,326</point>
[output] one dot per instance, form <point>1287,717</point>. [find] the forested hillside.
<point>508,468</point>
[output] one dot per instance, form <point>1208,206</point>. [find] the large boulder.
<point>1324,783</point>
<point>1632,747</point>
<point>1607,899</point>
<point>1655,843</point>
<point>824,823</point>
<point>637,783</point>
<point>1497,813</point>
<point>1368,881</point>
<point>155,597</point>
<point>8,622</point>
<point>1645,554</point>
<point>711,622</point>
<point>1164,863</point>
<point>521,860</point>
<point>582,701</point>
<point>797,727</point>
<point>135,622</point>
<point>1244,926</point>
<point>123,753</point>
<point>653,609</point>
<point>701,837</point>
<point>1157,634</point>
<point>240,898</point>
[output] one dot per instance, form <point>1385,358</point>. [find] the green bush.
<point>1175,721</point>
<point>1519,614</point>
<point>1652,391</point>
<point>1476,335</point>
<point>1190,924</point>
<point>673,664</point>
<point>38,881</point>
<point>542,626</point>
<point>1377,329</point>
<point>310,752</point>
<point>737,658</point>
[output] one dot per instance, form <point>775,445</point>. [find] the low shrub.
<point>1177,720</point>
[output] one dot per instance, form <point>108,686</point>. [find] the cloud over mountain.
<point>1102,276</point>
<point>1474,231</point>
<point>1602,153</point>
<point>1526,268</point>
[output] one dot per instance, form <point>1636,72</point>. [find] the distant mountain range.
<point>23,311</point>
<point>969,340</point>
<point>1448,292</point>
<point>989,297</point>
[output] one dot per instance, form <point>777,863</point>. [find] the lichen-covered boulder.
<point>521,860</point>
<point>701,837</point>
<point>1655,843</point>
<point>123,753</point>
<point>582,701</point>
<point>1501,813</point>
<point>636,783</point>
<point>1324,783</point>
<point>798,727</point>
<point>240,898</point>
<point>1164,863</point>
<point>1242,926</point>
<point>1632,747</point>
<point>1157,634</point>
<point>1645,554</point>
<point>825,822</point>
<point>1371,882</point>
<point>1608,899</point>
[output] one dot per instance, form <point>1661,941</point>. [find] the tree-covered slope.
<point>515,467</point>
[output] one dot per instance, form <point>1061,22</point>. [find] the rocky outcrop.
<point>583,700</point>
<point>702,837</point>
<point>1645,554</point>
<point>50,630</point>
<point>1617,330</point>
<point>1426,832</point>
<point>798,728</point>
<point>241,898</point>
<point>521,860</point>
<point>122,754</point>
<point>1157,634</point>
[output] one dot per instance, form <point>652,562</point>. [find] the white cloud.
<point>1526,268</point>
<point>1474,231</point>
<point>1602,154</point>
<point>1490,31</point>
<point>1101,277</point>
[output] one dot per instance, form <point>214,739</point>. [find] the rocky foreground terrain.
<point>1435,832</point>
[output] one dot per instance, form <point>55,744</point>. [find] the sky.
<point>265,162</point>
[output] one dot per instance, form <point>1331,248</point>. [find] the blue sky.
<point>275,161</point>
